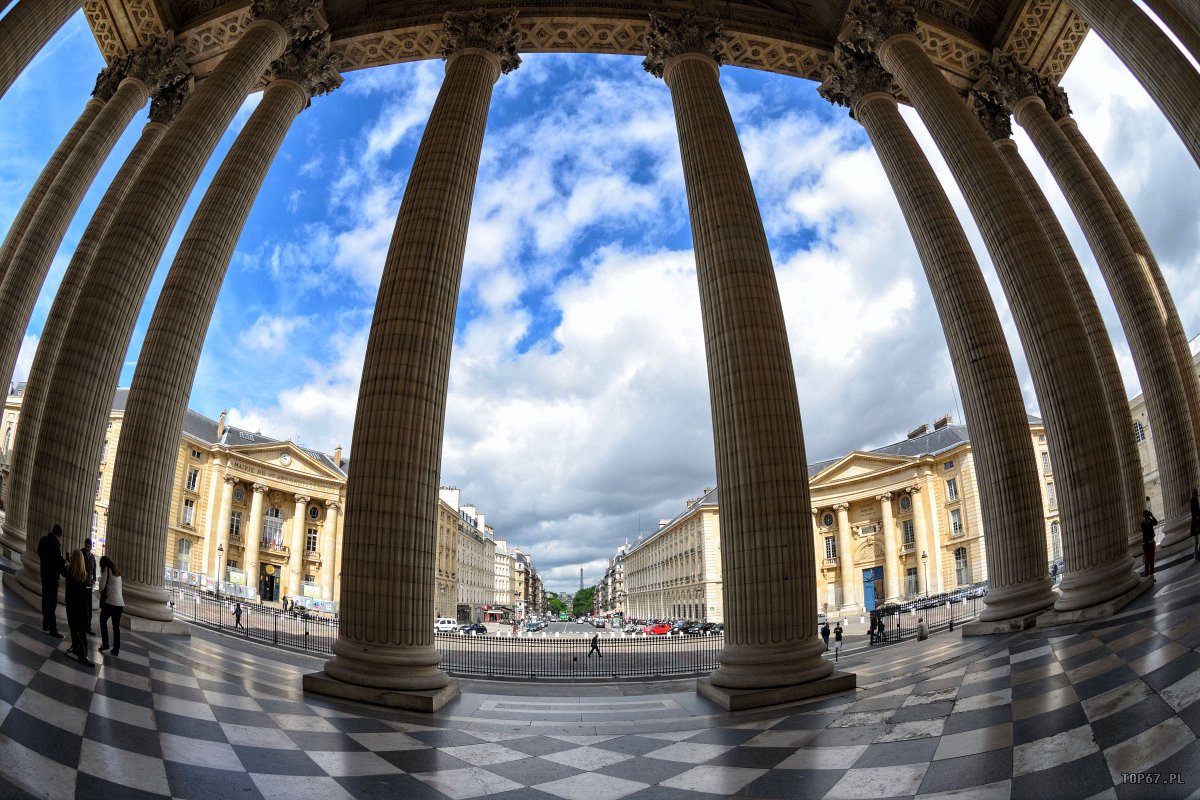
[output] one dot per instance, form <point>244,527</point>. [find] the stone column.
<point>328,535</point>
<point>1133,293</point>
<point>33,401</point>
<point>1065,375</point>
<point>891,556</point>
<point>1009,489</point>
<point>125,87</point>
<point>296,556</point>
<point>337,574</point>
<point>139,508</point>
<point>25,29</point>
<point>770,605</point>
<point>845,545</point>
<point>222,533</point>
<point>385,647</point>
<point>1153,58</point>
<point>80,396</point>
<point>1183,18</point>
<point>20,223</point>
<point>935,538</point>
<point>996,123</point>
<point>920,534</point>
<point>254,535</point>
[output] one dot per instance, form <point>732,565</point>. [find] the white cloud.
<point>272,335</point>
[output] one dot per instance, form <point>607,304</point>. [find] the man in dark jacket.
<point>1148,523</point>
<point>89,558</point>
<point>53,565</point>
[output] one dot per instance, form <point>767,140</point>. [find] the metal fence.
<point>311,633</point>
<point>944,616</point>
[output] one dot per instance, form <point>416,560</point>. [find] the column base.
<point>1010,625</point>
<point>1096,585</point>
<point>34,599</point>
<point>12,541</point>
<point>741,699</point>
<point>142,625</point>
<point>1176,529</point>
<point>1169,552</point>
<point>1052,618</point>
<point>426,701</point>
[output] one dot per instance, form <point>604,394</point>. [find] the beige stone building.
<point>1143,434</point>
<point>610,591</point>
<point>466,559</point>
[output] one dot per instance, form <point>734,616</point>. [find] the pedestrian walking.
<point>871,629</point>
<point>837,641</point>
<point>237,616</point>
<point>112,604</point>
<point>595,646</point>
<point>89,559</point>
<point>825,635</point>
<point>1148,523</point>
<point>77,602</point>
<point>1195,506</point>
<point>53,566</point>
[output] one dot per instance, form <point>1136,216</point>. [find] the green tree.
<point>581,604</point>
<point>555,606</point>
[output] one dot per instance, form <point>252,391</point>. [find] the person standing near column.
<point>52,563</point>
<point>1148,523</point>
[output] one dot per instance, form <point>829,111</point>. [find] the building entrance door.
<point>870,577</point>
<point>268,582</point>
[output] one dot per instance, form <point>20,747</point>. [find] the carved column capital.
<point>1005,81</point>
<point>333,505</point>
<point>815,511</point>
<point>873,22</point>
<point>232,480</point>
<point>308,63</point>
<point>260,488</point>
<point>995,117</point>
<point>886,497</point>
<point>158,63</point>
<point>483,31</point>
<point>166,104</point>
<point>913,489</point>
<point>302,498</point>
<point>667,39</point>
<point>301,19</point>
<point>852,76</point>
<point>841,506</point>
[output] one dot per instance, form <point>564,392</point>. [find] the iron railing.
<point>902,624</point>
<point>302,631</point>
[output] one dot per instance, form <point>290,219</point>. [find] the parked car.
<point>630,628</point>
<point>445,625</point>
<point>978,589</point>
<point>699,629</point>
<point>657,629</point>
<point>477,628</point>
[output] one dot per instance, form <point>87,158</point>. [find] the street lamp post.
<point>925,565</point>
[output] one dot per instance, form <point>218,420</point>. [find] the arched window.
<point>8,439</point>
<point>962,571</point>
<point>183,555</point>
<point>272,533</point>
<point>1055,541</point>
<point>1139,431</point>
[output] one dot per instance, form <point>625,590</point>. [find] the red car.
<point>659,629</point>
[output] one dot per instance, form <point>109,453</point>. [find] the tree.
<point>555,606</point>
<point>582,603</point>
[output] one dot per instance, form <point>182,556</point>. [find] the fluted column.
<point>935,540</point>
<point>1065,375</point>
<point>139,507</point>
<point>20,223</point>
<point>1154,60</point>
<point>920,535</point>
<point>296,556</point>
<point>25,29</point>
<point>85,376</point>
<point>845,543</point>
<point>1133,293</point>
<point>254,535</point>
<point>1183,18</point>
<point>1009,489</point>
<point>338,559</point>
<point>818,559</point>
<point>221,536</point>
<point>891,556</point>
<point>995,121</point>
<point>328,535</point>
<point>385,640</point>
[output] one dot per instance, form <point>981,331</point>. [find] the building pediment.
<point>283,458</point>
<point>856,465</point>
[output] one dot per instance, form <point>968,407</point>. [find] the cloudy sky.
<point>578,410</point>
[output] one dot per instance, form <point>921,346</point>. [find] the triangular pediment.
<point>857,464</point>
<point>285,456</point>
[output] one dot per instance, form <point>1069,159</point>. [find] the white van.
<point>445,625</point>
<point>821,618</point>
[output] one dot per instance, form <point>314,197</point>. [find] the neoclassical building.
<point>967,69</point>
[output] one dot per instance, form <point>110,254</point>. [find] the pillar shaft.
<point>33,401</point>
<point>25,29</point>
<point>891,556</point>
<point>328,535</point>
<point>27,270</point>
<point>1009,490</point>
<point>921,538</point>
<point>20,223</point>
<point>1065,375</point>
<point>89,361</point>
<point>221,535</point>
<point>140,504</point>
<point>253,538</point>
<point>1142,317</point>
<point>1183,18</point>
<point>770,605</point>
<point>296,554</point>
<point>845,556</point>
<point>1154,60</point>
<point>1106,360</point>
<point>385,639</point>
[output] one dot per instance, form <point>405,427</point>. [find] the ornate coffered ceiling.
<point>792,38</point>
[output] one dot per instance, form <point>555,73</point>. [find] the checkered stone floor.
<point>1067,713</point>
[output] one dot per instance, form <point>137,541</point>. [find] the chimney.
<point>943,422</point>
<point>337,455</point>
<point>921,431</point>
<point>221,425</point>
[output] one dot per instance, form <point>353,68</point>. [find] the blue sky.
<point>578,409</point>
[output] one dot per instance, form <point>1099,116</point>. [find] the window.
<point>189,511</point>
<point>1055,541</point>
<point>830,547</point>
<point>952,489</point>
<point>910,581</point>
<point>905,503</point>
<point>310,540</point>
<point>309,579</point>
<point>1050,495</point>
<point>272,533</point>
<point>910,537</point>
<point>183,555</point>
<point>949,465</point>
<point>193,479</point>
<point>314,512</point>
<point>195,454</point>
<point>827,520</point>
<point>235,525</point>
<point>103,450</point>
<point>99,480</point>
<point>95,522</point>
<point>962,572</point>
<point>956,526</point>
<point>1042,439</point>
<point>1045,462</point>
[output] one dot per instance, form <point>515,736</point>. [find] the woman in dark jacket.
<point>78,603</point>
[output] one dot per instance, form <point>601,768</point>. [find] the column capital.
<point>1005,82</point>
<point>873,22</point>
<point>816,511</point>
<point>168,100</point>
<point>260,488</point>
<point>915,489</point>
<point>300,19</point>
<point>483,31</point>
<point>884,498</point>
<point>302,498</point>
<point>854,76</point>
<point>308,63</point>
<point>667,39</point>
<point>333,505</point>
<point>232,480</point>
<point>841,506</point>
<point>995,117</point>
